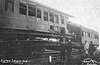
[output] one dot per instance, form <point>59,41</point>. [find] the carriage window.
<point>96,36</point>
<point>56,19</point>
<point>62,19</point>
<point>83,33</point>
<point>62,30</point>
<point>45,16</point>
<point>57,29</point>
<point>51,17</point>
<point>23,8</point>
<point>91,35</point>
<point>88,34</point>
<point>68,26</point>
<point>52,27</point>
<point>38,13</point>
<point>31,10</point>
<point>9,5</point>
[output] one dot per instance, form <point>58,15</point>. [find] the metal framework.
<point>14,44</point>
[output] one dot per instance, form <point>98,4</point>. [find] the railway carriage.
<point>28,15</point>
<point>90,35</point>
<point>83,34</point>
<point>27,29</point>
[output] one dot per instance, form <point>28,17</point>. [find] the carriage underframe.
<point>28,47</point>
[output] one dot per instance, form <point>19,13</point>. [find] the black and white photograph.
<point>49,32</point>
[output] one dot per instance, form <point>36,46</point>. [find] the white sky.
<point>86,12</point>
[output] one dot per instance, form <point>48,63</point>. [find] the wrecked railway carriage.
<point>31,33</point>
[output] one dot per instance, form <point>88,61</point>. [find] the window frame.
<point>51,17</point>
<point>82,33</point>
<point>24,8</point>
<point>88,34</point>
<point>45,15</point>
<point>62,30</point>
<point>56,18</point>
<point>52,27</point>
<point>32,10</point>
<point>7,5</point>
<point>39,13</point>
<point>57,29</point>
<point>62,19</point>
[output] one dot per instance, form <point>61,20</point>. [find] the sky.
<point>86,12</point>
